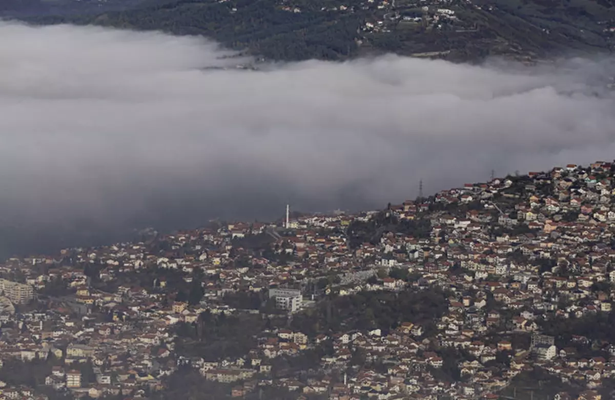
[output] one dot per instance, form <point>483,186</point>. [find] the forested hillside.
<point>339,29</point>
<point>34,8</point>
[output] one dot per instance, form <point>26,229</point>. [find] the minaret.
<point>287,216</point>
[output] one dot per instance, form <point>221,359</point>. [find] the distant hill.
<point>339,29</point>
<point>33,8</point>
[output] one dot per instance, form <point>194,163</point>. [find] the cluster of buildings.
<point>512,255</point>
<point>387,15</point>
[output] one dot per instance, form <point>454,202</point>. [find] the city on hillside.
<point>496,290</point>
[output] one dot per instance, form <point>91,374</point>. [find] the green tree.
<point>196,293</point>
<point>399,273</point>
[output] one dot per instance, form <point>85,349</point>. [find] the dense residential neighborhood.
<point>492,290</point>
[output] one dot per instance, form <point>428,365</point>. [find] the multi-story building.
<point>178,307</point>
<point>544,352</point>
<point>541,340</point>
<point>287,299</point>
<point>228,375</point>
<point>18,293</point>
<point>79,351</point>
<point>73,379</point>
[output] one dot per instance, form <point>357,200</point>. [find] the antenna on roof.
<point>492,174</point>
<point>421,189</point>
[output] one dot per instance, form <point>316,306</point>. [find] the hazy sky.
<point>108,126</point>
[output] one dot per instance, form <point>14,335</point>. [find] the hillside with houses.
<point>501,289</point>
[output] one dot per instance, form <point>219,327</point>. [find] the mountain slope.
<point>32,8</point>
<point>339,29</point>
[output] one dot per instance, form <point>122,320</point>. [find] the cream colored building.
<point>73,379</point>
<point>18,293</point>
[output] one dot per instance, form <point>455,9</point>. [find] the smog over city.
<point>108,129</point>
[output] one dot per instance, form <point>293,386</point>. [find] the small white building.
<point>287,299</point>
<point>545,352</point>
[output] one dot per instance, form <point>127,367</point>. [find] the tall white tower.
<point>287,225</point>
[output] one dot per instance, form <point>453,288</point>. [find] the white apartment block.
<point>18,293</point>
<point>287,299</point>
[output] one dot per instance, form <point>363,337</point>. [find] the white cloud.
<point>113,124</point>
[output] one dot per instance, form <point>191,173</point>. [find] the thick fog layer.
<point>113,128</point>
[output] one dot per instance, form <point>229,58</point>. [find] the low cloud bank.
<point>107,128</point>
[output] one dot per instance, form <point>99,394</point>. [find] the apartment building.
<point>18,293</point>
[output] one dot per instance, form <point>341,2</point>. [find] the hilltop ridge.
<point>455,30</point>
